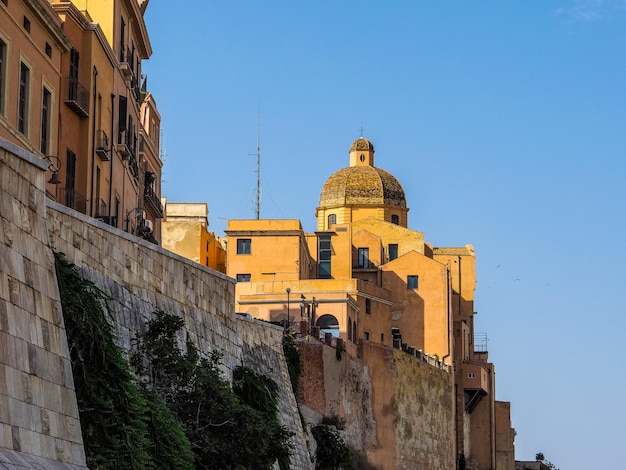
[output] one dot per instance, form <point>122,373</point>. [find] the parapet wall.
<point>39,423</point>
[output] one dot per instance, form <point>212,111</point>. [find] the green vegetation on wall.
<point>124,427</point>
<point>182,415</point>
<point>229,427</point>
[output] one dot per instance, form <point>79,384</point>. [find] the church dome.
<point>362,185</point>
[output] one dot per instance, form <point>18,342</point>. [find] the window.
<point>121,120</point>
<point>324,254</point>
<point>46,112</point>
<point>72,93</point>
<point>366,335</point>
<point>22,109</point>
<point>382,337</point>
<point>48,50</point>
<point>393,251</point>
<point>27,24</point>
<point>395,219</point>
<point>243,277</point>
<point>70,179</point>
<point>244,246</point>
<point>411,282</point>
<point>3,61</point>
<point>471,375</point>
<point>363,257</point>
<point>332,220</point>
<point>368,306</point>
<point>122,34</point>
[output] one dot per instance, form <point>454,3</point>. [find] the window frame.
<point>363,257</point>
<point>46,120</point>
<point>4,48</point>
<point>393,253</point>
<point>23,99</point>
<point>332,220</point>
<point>244,246</point>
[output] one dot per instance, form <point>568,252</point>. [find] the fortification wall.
<point>141,277</point>
<point>39,423</point>
<point>397,408</point>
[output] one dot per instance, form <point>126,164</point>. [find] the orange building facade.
<point>365,277</point>
<point>72,91</point>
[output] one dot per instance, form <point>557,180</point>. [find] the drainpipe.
<point>93,139</point>
<point>450,332</point>
<point>111,160</point>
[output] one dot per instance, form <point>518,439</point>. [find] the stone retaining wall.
<point>39,423</point>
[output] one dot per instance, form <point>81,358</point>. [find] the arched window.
<point>332,220</point>
<point>328,324</point>
<point>354,335</point>
<point>349,329</point>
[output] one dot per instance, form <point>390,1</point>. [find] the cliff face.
<point>39,423</point>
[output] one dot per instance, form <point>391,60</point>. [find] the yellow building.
<point>71,90</point>
<point>185,231</point>
<point>366,277</point>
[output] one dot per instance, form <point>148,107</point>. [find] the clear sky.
<point>505,121</point>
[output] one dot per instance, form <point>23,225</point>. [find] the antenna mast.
<point>258,166</point>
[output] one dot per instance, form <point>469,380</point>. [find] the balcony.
<point>102,146</point>
<point>73,199</point>
<point>77,97</point>
<point>152,203</point>
<point>126,63</point>
<point>475,383</point>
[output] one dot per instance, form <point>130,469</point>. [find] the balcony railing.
<point>102,145</point>
<point>74,200</point>
<point>77,97</point>
<point>152,203</point>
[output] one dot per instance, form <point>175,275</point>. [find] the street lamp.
<point>288,292</point>
<point>54,165</point>
<point>136,215</point>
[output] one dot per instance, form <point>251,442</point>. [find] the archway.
<point>328,324</point>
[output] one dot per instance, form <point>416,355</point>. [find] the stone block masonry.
<point>39,423</point>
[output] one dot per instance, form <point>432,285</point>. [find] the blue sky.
<point>504,121</point>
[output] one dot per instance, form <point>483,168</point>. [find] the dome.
<point>362,185</point>
<point>362,144</point>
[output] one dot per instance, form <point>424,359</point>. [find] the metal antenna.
<point>258,165</point>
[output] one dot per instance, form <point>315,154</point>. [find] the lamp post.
<point>288,292</point>
<point>54,165</point>
<point>128,216</point>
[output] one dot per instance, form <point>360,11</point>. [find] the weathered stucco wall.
<point>39,424</point>
<point>397,408</point>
